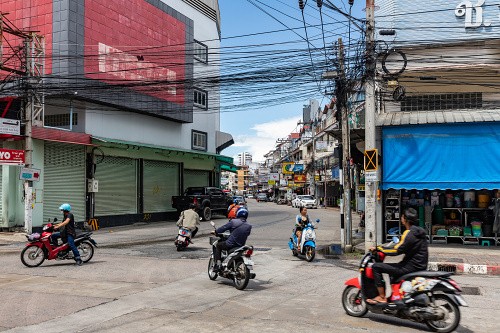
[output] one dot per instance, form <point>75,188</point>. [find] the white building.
<point>244,158</point>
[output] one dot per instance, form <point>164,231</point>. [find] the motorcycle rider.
<point>233,209</point>
<point>413,244</point>
<point>240,230</point>
<point>189,219</point>
<point>300,222</point>
<point>69,224</point>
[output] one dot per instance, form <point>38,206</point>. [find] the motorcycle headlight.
<point>309,234</point>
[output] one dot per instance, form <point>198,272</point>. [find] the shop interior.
<point>464,217</point>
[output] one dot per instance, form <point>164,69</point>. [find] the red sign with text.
<point>11,156</point>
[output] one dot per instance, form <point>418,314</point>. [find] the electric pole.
<point>370,125</point>
<point>345,213</point>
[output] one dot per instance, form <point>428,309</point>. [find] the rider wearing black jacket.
<point>240,230</point>
<point>413,245</point>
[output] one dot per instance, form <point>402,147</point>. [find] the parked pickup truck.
<point>207,199</point>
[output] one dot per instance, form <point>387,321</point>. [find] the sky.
<point>255,130</point>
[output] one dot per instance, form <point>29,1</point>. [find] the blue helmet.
<point>65,206</point>
<point>236,201</point>
<point>242,213</point>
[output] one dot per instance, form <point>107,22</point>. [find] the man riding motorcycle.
<point>189,219</point>
<point>413,244</point>
<point>240,230</point>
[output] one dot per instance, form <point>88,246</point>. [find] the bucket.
<point>470,199</point>
<point>483,200</point>
<point>476,229</point>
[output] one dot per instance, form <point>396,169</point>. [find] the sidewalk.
<point>456,258</point>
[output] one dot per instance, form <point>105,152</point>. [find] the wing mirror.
<point>317,220</point>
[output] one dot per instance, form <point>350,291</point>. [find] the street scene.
<point>138,282</point>
<point>250,165</point>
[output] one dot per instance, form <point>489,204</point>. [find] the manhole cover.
<point>471,290</point>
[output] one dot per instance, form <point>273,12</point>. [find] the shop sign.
<point>29,174</point>
<point>473,13</point>
<point>299,178</point>
<point>11,156</point>
<point>317,177</point>
<point>10,126</point>
<point>290,168</point>
<point>274,176</point>
<point>283,182</point>
<point>271,182</point>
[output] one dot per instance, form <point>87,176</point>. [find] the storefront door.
<point>160,183</point>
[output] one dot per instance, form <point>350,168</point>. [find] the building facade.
<point>127,108</point>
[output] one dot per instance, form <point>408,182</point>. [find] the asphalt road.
<point>154,288</point>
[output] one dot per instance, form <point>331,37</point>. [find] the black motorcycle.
<point>237,263</point>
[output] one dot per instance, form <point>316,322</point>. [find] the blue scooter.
<point>307,242</point>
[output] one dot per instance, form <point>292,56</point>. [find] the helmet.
<point>242,212</point>
<point>236,201</point>
<point>65,206</point>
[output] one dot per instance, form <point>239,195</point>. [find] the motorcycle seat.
<point>425,274</point>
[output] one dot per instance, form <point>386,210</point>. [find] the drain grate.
<point>471,291</point>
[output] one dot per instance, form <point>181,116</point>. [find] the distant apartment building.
<point>244,159</point>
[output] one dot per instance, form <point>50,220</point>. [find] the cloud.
<point>265,137</point>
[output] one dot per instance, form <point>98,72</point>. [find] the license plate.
<point>248,262</point>
<point>181,239</point>
<point>461,300</point>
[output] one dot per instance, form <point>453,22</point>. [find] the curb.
<point>465,268</point>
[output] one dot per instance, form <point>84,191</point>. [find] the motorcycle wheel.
<point>310,253</point>
<point>295,253</point>
<point>86,251</point>
<point>241,276</point>
<point>452,317</point>
<point>211,274</point>
<point>32,256</point>
<point>353,302</point>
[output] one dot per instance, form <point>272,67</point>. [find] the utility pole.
<point>370,125</point>
<point>345,213</point>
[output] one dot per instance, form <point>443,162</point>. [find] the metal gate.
<point>196,178</point>
<point>64,180</point>
<point>117,194</point>
<point>160,183</point>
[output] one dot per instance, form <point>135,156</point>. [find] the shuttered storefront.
<point>1,190</point>
<point>160,183</point>
<point>196,178</point>
<point>64,180</point>
<point>117,193</point>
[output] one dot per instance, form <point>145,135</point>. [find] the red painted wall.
<point>135,44</point>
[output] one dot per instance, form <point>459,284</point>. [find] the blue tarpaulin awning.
<point>445,156</point>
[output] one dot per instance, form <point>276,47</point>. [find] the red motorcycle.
<point>39,248</point>
<point>427,297</point>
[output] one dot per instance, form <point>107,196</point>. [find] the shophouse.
<point>131,108</point>
<point>440,117</point>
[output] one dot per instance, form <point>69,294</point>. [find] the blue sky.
<point>256,130</point>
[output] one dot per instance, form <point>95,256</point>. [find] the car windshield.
<point>306,197</point>
<point>262,196</point>
<point>194,191</point>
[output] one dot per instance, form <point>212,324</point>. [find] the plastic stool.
<point>485,242</point>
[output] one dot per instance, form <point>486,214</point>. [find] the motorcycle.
<point>427,297</point>
<point>236,263</point>
<point>39,248</point>
<point>183,238</point>
<point>307,242</point>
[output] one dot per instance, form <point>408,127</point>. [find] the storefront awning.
<point>445,156</point>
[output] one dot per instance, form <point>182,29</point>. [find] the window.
<point>200,98</point>
<point>199,140</point>
<point>200,51</point>
<point>442,102</point>
<point>60,120</point>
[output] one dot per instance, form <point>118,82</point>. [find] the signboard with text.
<point>29,174</point>
<point>11,157</point>
<point>10,126</point>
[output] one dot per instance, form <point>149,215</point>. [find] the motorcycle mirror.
<point>395,239</point>
<point>317,220</point>
<point>212,223</point>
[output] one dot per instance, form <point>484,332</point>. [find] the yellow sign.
<point>287,168</point>
<point>94,225</point>
<point>271,182</point>
<point>317,177</point>
<point>371,160</point>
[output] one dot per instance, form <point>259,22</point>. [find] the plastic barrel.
<point>476,229</point>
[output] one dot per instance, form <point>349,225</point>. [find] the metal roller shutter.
<point>196,178</point>
<point>64,180</point>
<point>161,182</point>
<point>117,193</point>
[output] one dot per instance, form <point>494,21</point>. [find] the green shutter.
<point>117,191</point>
<point>195,178</point>
<point>64,180</point>
<point>161,182</point>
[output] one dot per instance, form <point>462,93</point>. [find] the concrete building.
<point>244,159</point>
<point>126,107</point>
